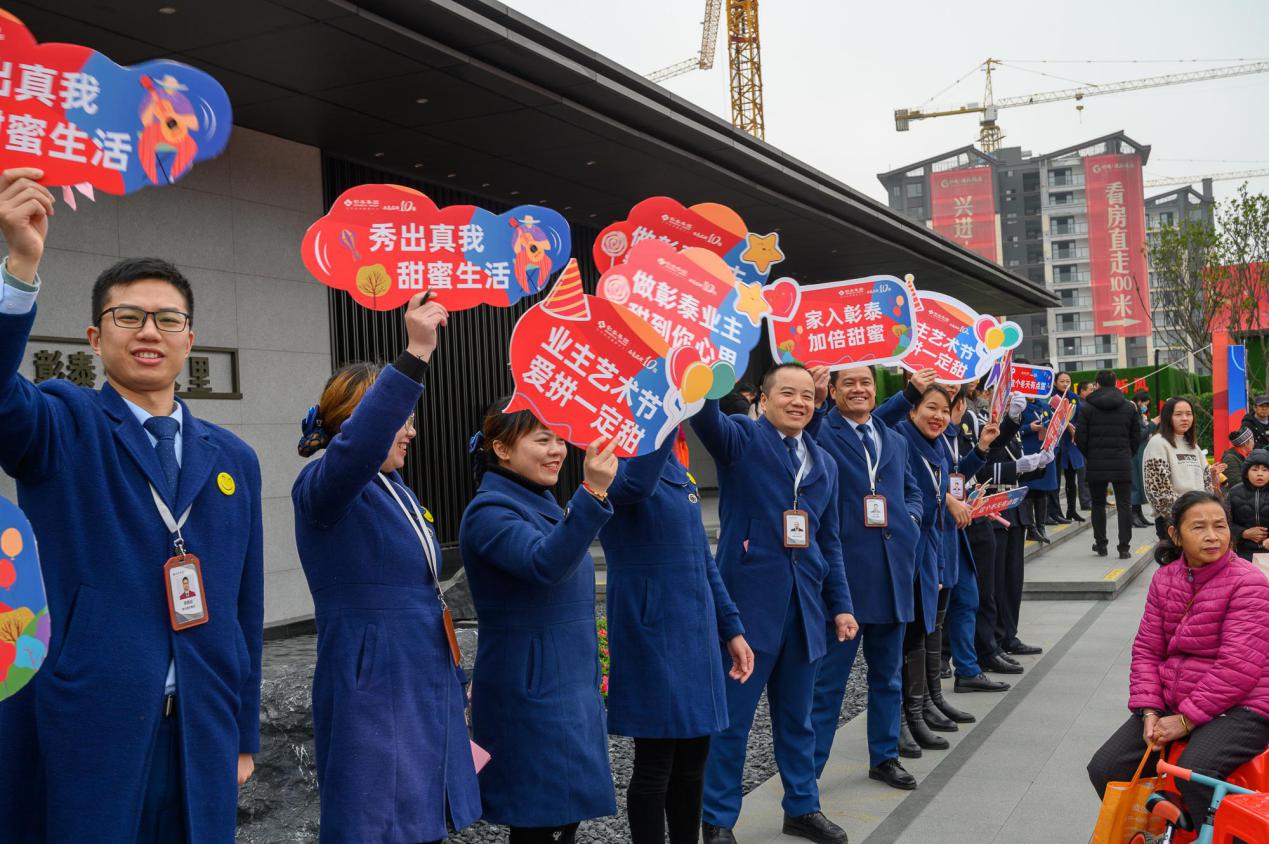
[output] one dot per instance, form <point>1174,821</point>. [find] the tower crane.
<point>743,59</point>
<point>1236,175</point>
<point>990,133</point>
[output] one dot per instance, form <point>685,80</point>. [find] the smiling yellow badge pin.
<point>225,482</point>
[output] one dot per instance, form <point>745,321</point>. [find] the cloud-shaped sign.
<point>706,225</point>
<point>83,119</point>
<point>385,243</point>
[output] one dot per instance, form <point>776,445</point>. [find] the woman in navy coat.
<point>668,612</point>
<point>393,758</point>
<point>923,430</point>
<point>1035,419</point>
<point>1070,460</point>
<point>536,703</point>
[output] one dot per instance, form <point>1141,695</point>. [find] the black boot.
<point>1074,515</point>
<point>1036,534</point>
<point>914,701</point>
<point>1139,519</point>
<point>933,686</point>
<point>908,748</point>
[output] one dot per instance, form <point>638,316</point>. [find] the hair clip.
<point>476,442</point>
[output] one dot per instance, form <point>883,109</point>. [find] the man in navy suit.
<point>134,730</point>
<point>780,557</point>
<point>871,460</point>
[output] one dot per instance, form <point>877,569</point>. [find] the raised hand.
<point>600,466</point>
<point>923,379</point>
<point>819,374</point>
<point>423,319</point>
<point>988,435</point>
<point>25,206</point>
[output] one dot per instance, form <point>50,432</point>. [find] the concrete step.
<point>1069,570</point>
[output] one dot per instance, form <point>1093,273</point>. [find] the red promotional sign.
<point>963,208</point>
<point>1034,382</point>
<point>1057,422</point>
<point>707,225</point>
<point>845,323</point>
<point>384,243</point>
<point>991,505</point>
<point>589,368</point>
<point>1116,240</point>
<point>957,342</point>
<point>84,120</point>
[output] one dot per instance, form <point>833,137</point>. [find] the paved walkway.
<point>1018,773</point>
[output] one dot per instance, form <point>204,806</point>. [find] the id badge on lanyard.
<point>876,509</point>
<point>797,522</point>
<point>182,574</point>
<point>955,481</point>
<point>430,553</point>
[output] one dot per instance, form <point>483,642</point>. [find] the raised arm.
<point>34,429</point>
<point>637,477</point>
<point>356,453</point>
<point>724,437</point>
<point>500,536</point>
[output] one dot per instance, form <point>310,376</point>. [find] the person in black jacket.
<point>1249,506</point>
<point>1258,421</point>
<point>1108,439</point>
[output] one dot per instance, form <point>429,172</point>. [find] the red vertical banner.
<point>1116,245</point>
<point>963,209</point>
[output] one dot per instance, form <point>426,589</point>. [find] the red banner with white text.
<point>1116,244</point>
<point>963,209</point>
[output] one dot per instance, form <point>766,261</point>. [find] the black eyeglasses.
<point>133,319</point>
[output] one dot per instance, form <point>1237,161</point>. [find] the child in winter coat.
<point>1249,506</point>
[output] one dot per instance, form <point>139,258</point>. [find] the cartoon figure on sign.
<point>168,119</point>
<point>530,245</point>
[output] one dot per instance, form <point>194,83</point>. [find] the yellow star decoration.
<point>750,301</point>
<point>762,250</point>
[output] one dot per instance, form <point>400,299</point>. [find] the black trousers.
<point>982,544</point>
<point>543,834</point>
<point>1086,499</point>
<point>665,788</point>
<point>1216,749</point>
<point>163,808</point>
<point>1010,544</point>
<point>1123,511</point>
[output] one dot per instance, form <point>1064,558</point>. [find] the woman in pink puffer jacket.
<point>1200,662</point>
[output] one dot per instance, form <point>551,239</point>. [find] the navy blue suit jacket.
<point>87,721</point>
<point>756,486</point>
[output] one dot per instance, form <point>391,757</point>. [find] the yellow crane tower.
<point>743,59</point>
<point>990,133</point>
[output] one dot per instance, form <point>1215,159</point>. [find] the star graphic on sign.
<point>762,250</point>
<point>750,301</point>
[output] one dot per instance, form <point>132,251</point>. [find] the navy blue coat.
<point>755,483</point>
<point>880,562</point>
<point>76,741</point>
<point>933,567</point>
<point>536,704</point>
<point>667,606</point>
<point>1045,480</point>
<point>1069,455</point>
<point>963,456</point>
<point>388,701</point>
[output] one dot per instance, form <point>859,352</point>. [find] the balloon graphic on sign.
<point>88,122</point>
<point>385,243</point>
<point>24,619</point>
<point>957,342</point>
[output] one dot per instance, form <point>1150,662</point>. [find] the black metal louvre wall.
<point>469,370</point>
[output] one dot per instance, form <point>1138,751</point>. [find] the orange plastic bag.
<point>1124,812</point>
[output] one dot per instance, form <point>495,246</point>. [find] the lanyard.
<point>872,468</point>
<point>935,476</point>
<point>797,480</point>
<point>428,551</point>
<point>173,525</point>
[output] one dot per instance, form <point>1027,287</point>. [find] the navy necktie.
<point>865,434</point>
<point>791,444</point>
<point>164,429</point>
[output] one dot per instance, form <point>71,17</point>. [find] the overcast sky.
<point>835,70</point>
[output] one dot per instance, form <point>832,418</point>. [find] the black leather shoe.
<point>945,673</point>
<point>892,774</point>
<point>711,834</point>
<point>1074,516</point>
<point>1034,535</point>
<point>981,683</point>
<point>1023,649</point>
<point>1125,554</point>
<point>999,666</point>
<point>1007,659</point>
<point>814,827</point>
<point>935,719</point>
<point>1058,520</point>
<point>1100,550</point>
<point>1141,522</point>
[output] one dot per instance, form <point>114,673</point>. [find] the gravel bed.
<point>281,804</point>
